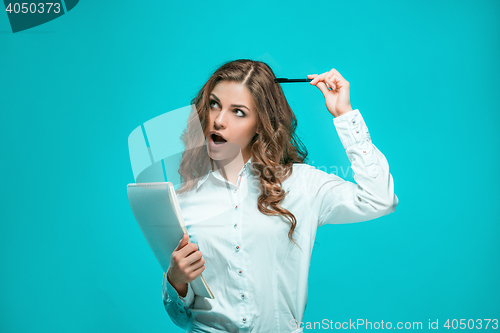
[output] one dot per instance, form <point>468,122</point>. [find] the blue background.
<point>423,74</point>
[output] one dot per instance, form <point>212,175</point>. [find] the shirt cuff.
<point>351,128</point>
<point>356,140</point>
<point>170,292</point>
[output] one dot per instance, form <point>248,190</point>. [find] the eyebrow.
<point>233,105</point>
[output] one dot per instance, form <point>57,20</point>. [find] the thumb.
<point>183,242</point>
<point>320,84</point>
<point>324,89</point>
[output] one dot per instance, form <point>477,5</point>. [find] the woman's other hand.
<point>337,99</point>
<point>186,263</point>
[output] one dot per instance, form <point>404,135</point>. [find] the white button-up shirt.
<point>258,277</point>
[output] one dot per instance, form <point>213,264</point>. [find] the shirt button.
<point>240,272</point>
<point>237,248</point>
<point>235,225</point>
<point>242,295</point>
<point>244,320</point>
<point>235,190</point>
<point>235,207</point>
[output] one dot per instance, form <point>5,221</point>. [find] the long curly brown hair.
<point>273,151</point>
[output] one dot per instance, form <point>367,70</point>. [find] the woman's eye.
<point>212,101</point>
<point>237,110</point>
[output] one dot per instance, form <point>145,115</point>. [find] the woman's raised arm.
<point>333,199</point>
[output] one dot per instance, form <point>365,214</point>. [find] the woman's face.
<point>232,113</point>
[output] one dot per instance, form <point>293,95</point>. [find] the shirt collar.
<point>204,179</point>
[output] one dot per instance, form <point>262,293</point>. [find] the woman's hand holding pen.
<point>337,99</point>
<point>186,263</point>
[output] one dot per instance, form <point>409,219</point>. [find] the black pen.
<point>285,80</point>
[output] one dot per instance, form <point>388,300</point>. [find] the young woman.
<point>252,206</point>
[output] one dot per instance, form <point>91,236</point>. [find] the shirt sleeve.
<point>176,306</point>
<point>335,200</point>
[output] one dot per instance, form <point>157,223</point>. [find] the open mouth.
<point>217,139</point>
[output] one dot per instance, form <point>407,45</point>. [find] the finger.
<point>324,89</point>
<point>198,270</point>
<point>337,73</point>
<point>188,250</point>
<point>194,256</point>
<point>322,77</point>
<point>331,82</point>
<point>340,81</point>
<point>318,78</point>
<point>182,242</point>
<point>326,81</point>
<point>194,266</point>
<point>337,81</point>
<point>311,76</point>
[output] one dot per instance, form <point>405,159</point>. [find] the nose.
<point>220,120</point>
